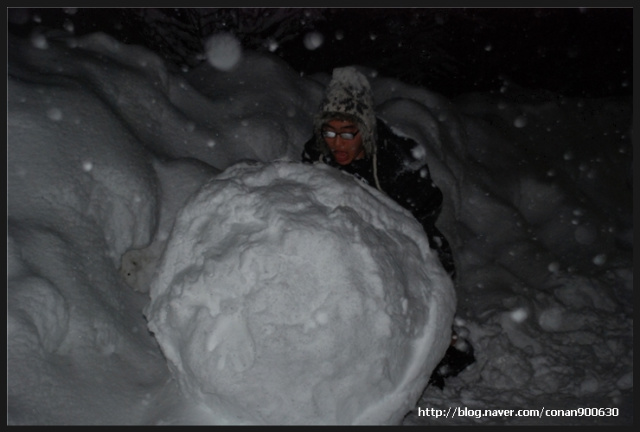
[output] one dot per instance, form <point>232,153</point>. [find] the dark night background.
<point>582,52</point>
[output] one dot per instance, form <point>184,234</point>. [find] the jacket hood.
<point>348,96</point>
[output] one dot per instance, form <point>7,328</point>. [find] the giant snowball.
<point>293,294</point>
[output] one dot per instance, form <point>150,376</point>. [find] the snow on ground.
<point>107,145</point>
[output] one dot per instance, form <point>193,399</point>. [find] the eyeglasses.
<point>343,135</point>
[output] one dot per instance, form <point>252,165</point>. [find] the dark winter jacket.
<point>389,163</point>
<point>401,176</point>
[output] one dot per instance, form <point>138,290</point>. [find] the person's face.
<point>344,148</point>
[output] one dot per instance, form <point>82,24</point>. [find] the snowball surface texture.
<point>293,294</point>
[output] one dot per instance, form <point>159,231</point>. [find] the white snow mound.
<point>264,306</point>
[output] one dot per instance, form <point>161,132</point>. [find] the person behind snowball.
<point>348,135</point>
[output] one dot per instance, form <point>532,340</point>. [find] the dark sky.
<point>573,51</point>
<point>581,52</point>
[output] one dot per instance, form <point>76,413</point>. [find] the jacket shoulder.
<point>311,152</point>
<point>392,141</point>
<point>397,150</point>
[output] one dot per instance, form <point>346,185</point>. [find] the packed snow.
<point>291,294</point>
<point>170,261</point>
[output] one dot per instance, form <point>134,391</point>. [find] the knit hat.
<point>348,96</point>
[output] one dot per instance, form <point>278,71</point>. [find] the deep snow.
<point>106,145</point>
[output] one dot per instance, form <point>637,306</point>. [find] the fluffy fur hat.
<point>348,97</point>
